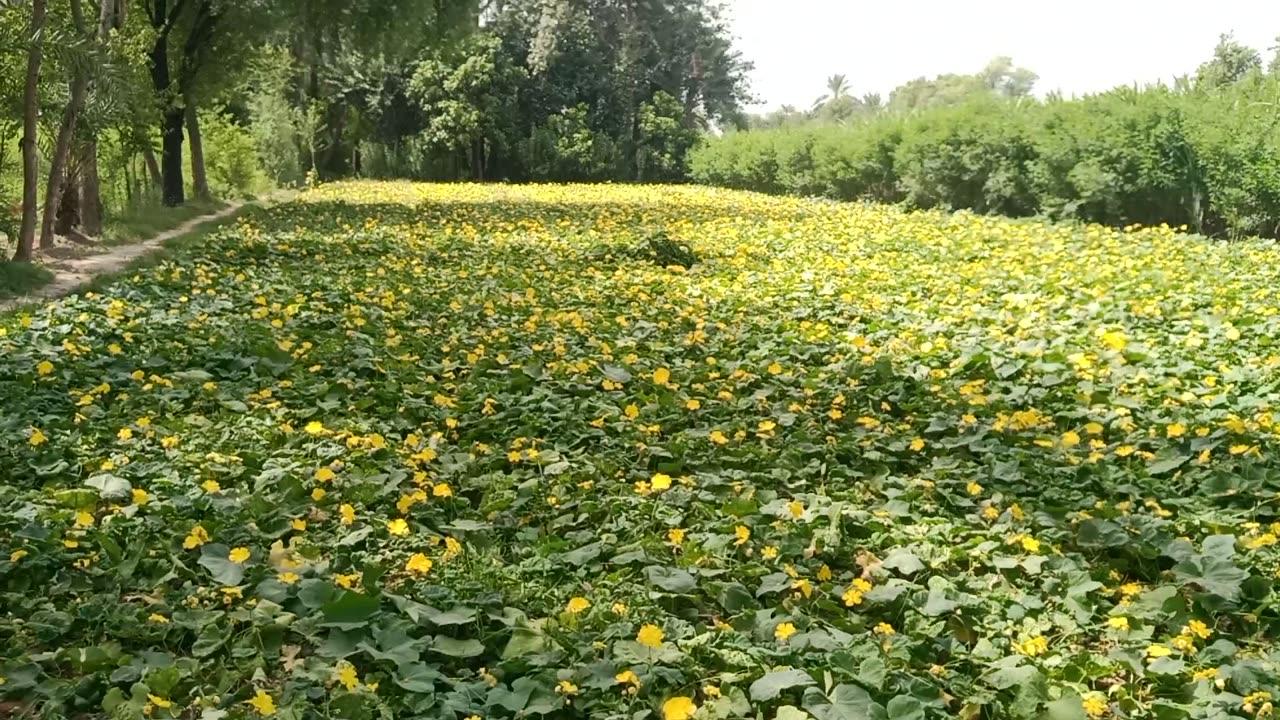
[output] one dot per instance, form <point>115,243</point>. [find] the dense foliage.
<point>121,104</point>
<point>1202,154</point>
<point>396,450</point>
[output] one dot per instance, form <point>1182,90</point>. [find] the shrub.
<point>1205,158</point>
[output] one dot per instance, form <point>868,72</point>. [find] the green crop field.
<point>453,451</point>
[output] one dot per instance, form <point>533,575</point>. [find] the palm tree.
<point>837,88</point>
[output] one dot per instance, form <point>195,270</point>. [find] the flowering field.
<point>416,451</point>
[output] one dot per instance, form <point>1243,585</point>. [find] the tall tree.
<point>1231,62</point>
<point>79,87</point>
<point>30,120</point>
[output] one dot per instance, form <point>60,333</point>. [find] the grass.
<point>141,223</point>
<point>17,279</point>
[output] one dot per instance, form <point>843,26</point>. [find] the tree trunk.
<point>68,211</point>
<point>172,189</point>
<point>171,158</point>
<point>199,181</point>
<point>30,117</point>
<point>153,166</point>
<point>90,190</point>
<point>109,16</point>
<point>61,149</point>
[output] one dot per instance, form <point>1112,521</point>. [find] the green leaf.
<point>110,487</point>
<point>903,561</point>
<point>350,610</point>
<point>671,579</point>
<point>846,702</point>
<point>1160,467</point>
<point>772,684</point>
<point>616,374</point>
<point>524,641</point>
<point>454,647</point>
<point>214,557</point>
<point>1067,707</point>
<point>905,707</point>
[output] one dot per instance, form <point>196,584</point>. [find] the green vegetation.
<point>18,279</point>
<point>459,450</point>
<point>1204,154</point>
<point>139,225</point>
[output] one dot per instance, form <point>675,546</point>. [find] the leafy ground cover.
<point>397,450</point>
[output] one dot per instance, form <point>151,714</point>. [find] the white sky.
<point>1078,46</point>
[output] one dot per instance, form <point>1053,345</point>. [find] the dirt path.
<point>71,274</point>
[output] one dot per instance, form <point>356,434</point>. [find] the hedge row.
<point>1208,160</point>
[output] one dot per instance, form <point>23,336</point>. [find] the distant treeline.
<point>1204,153</point>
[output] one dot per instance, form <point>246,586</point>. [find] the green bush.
<point>1207,158</point>
<point>230,157</point>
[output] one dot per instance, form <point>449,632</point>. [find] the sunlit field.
<point>453,451</point>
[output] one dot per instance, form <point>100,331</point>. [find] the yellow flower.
<point>1031,545</point>
<point>197,537</point>
<point>158,619</point>
<point>238,555</point>
<point>169,442</point>
<point>125,434</point>
<point>298,524</point>
<point>743,534</point>
<point>678,708</point>
<point>315,427</point>
<point>775,369</point>
<point>348,514</point>
<point>650,635</point>
<point>318,494</point>
<point>1158,651</point>
<point>693,404</point>
<point>1206,674</point>
<point>1197,628</point>
<point>419,564</point>
<point>1118,622</point>
<point>1095,705</point>
<point>660,481</point>
<point>17,555</point>
<point>44,367</point>
<point>566,688</point>
<point>577,605</point>
<point>84,519</point>
<point>1070,439</point>
<point>974,488</point>
<point>784,631</point>
<point>263,703</point>
<point>796,508</point>
<point>1175,430</point>
<point>345,675</point>
<point>883,629</point>
<point>37,438</point>
<point>628,677</point>
<point>289,578</point>
<point>675,535</point>
<point>718,438</point>
<point>917,444</point>
<point>211,486</point>
<point>159,701</point>
<point>140,497</point>
<point>398,527</point>
<point>324,474</point>
<point>1033,646</point>
<point>347,581</point>
<point>661,376</point>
